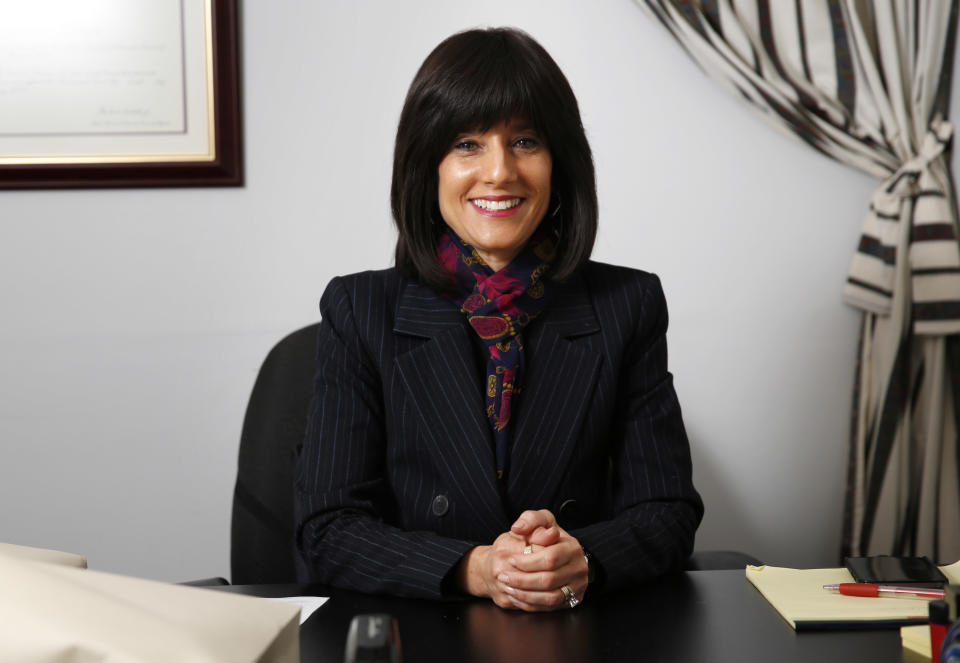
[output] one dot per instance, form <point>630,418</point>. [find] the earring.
<point>556,218</point>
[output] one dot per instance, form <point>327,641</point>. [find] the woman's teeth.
<point>493,205</point>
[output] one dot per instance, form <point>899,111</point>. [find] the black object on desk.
<point>693,617</point>
<point>892,570</point>
<point>373,639</point>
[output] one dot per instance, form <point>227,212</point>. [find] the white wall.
<point>133,322</point>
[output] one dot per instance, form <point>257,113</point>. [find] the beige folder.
<point>43,555</point>
<point>51,613</point>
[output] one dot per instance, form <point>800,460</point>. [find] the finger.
<point>539,582</point>
<point>545,536</point>
<point>504,601</point>
<point>509,546</point>
<point>571,574</point>
<point>504,597</point>
<point>552,558</point>
<point>531,520</point>
<point>537,601</point>
<point>516,536</point>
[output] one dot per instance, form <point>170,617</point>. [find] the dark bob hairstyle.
<point>476,80</point>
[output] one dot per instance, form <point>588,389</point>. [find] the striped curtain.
<point>868,83</point>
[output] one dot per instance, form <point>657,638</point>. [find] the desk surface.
<point>709,616</point>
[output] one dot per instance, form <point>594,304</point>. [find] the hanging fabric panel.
<point>868,84</point>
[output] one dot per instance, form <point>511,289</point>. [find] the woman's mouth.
<point>501,207</point>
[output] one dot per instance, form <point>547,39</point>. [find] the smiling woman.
<point>470,84</point>
<point>494,189</point>
<point>494,416</point>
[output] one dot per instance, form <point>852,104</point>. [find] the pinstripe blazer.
<point>396,478</point>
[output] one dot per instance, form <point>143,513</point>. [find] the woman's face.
<point>495,189</point>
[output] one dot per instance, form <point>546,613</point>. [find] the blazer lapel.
<point>556,392</point>
<point>441,379</point>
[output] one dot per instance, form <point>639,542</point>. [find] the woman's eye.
<point>465,145</point>
<point>527,142</point>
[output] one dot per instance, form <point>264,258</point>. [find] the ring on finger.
<point>569,596</point>
<point>528,550</point>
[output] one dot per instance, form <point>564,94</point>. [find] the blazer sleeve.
<point>342,502</point>
<point>656,508</point>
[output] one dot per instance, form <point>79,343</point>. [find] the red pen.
<point>869,589</point>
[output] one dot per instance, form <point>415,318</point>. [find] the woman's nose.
<point>499,165</point>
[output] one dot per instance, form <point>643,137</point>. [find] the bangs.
<point>490,82</point>
<point>487,100</point>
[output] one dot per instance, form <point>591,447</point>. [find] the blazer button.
<point>440,505</point>
<point>568,512</point>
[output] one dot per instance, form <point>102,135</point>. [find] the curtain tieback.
<point>911,213</point>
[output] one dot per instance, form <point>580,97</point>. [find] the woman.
<point>494,416</point>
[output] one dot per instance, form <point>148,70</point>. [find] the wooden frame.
<point>220,163</point>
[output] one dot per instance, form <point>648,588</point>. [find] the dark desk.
<point>708,616</point>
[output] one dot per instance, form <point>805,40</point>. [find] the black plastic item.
<point>939,612</point>
<point>373,638</point>
<point>951,594</point>
<point>890,570</point>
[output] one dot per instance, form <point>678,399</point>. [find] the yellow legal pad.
<point>917,640</point>
<point>799,597</point>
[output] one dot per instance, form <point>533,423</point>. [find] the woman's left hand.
<point>556,560</point>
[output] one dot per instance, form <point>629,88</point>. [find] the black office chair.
<point>261,539</point>
<point>718,560</point>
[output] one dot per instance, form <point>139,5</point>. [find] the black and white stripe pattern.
<point>867,83</point>
<point>864,83</point>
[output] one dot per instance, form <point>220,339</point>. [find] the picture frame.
<point>153,102</point>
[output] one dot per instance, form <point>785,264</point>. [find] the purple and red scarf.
<point>498,305</point>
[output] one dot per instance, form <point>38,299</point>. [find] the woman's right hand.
<point>481,567</point>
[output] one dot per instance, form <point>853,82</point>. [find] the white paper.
<point>308,604</point>
<point>119,64</point>
<point>105,81</point>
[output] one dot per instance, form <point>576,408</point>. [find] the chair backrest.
<point>261,537</point>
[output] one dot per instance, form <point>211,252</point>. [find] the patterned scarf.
<point>498,305</point>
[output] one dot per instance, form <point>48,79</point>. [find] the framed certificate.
<point>119,93</point>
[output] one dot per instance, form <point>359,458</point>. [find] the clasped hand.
<point>526,567</point>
